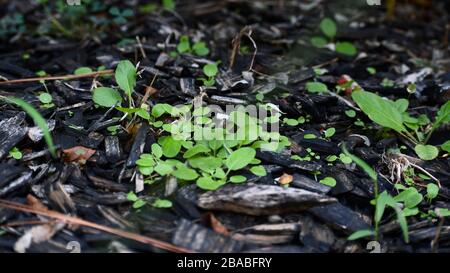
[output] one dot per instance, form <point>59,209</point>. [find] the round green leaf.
<point>426,152</point>
<point>45,98</point>
<point>329,181</point>
<point>106,97</point>
<point>328,27</point>
<point>346,48</point>
<point>238,179</point>
<point>83,70</point>
<point>259,171</point>
<point>210,70</point>
<point>207,183</point>
<point>316,87</point>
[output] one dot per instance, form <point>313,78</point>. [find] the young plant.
<point>15,153</point>
<point>210,71</point>
<point>394,115</point>
<point>125,76</point>
<point>199,48</point>
<point>46,99</point>
<point>382,201</point>
<point>121,17</point>
<point>329,29</point>
<point>211,162</point>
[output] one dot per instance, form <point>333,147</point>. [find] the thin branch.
<point>64,77</point>
<point>77,221</point>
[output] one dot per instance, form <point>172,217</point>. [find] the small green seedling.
<point>329,29</point>
<point>199,48</point>
<point>46,100</point>
<point>121,17</point>
<point>382,201</point>
<point>137,202</point>
<point>210,71</point>
<point>15,153</point>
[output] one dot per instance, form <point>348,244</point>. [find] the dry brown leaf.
<point>285,179</point>
<point>78,154</point>
<point>216,225</point>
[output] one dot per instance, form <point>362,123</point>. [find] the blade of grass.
<point>38,120</point>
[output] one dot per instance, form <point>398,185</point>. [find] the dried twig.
<point>64,77</point>
<point>80,222</point>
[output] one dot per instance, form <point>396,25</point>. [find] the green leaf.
<point>45,98</point>
<point>291,122</point>
<point>316,87</point>
<point>318,41</point>
<point>139,204</point>
<point>207,183</point>
<point>170,146</point>
<point>443,212</point>
<point>258,170</point>
<point>184,173</point>
<point>240,158</point>
<point>446,146</point>
<point>383,199</point>
<point>328,27</point>
<point>207,164</point>
<point>163,168</point>
<point>432,191</point>
<point>379,110</point>
<point>330,132</point>
<point>309,136</point>
<point>401,105</point>
<point>426,152</point>
<point>361,234</point>
<point>443,115</point>
<point>162,203</point>
<point>38,120</point>
<point>350,113</point>
<point>197,149</point>
<point>238,179</point>
<point>132,196</point>
<point>410,197</point>
<point>106,97</point>
<point>371,70</point>
<point>215,144</point>
<point>145,162</point>
<point>15,153</point>
<point>346,48</point>
<point>363,165</point>
<point>157,150</point>
<point>210,70</point>
<point>126,76</point>
<point>160,109</point>
<point>329,181</point>
<point>83,70</point>
<point>168,4</point>
<point>200,49</point>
